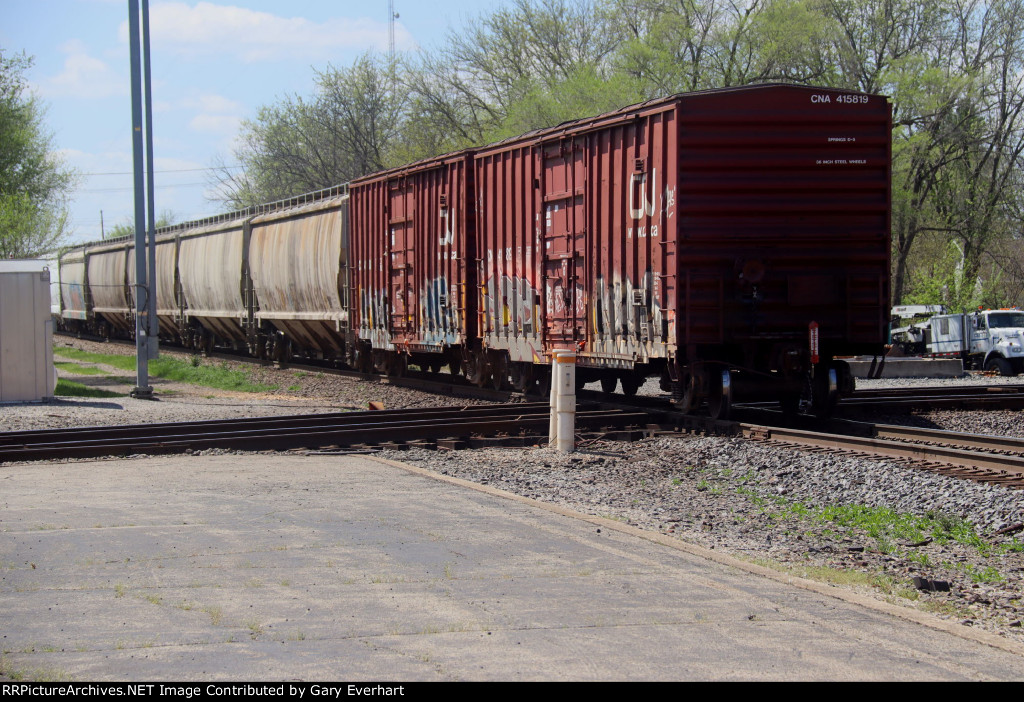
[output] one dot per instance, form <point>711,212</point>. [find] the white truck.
<point>991,340</point>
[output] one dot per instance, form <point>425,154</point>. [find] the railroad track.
<point>981,397</point>
<point>982,458</point>
<point>441,427</point>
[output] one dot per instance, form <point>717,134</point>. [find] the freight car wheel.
<point>826,393</point>
<point>630,385</point>
<point>476,370</point>
<point>396,365</point>
<point>720,398</point>
<point>521,375</point>
<point>685,396</point>
<point>608,384</point>
<point>789,403</point>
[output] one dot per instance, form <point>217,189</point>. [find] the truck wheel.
<point>999,364</point>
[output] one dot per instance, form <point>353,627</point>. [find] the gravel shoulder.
<point>784,508</point>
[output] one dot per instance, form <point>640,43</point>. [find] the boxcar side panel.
<point>413,252</point>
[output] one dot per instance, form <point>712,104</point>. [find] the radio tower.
<point>391,32</point>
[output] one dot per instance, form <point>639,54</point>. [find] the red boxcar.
<point>733,241</point>
<point>413,249</point>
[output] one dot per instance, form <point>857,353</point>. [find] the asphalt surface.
<point>321,568</point>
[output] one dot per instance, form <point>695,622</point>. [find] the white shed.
<point>26,332</point>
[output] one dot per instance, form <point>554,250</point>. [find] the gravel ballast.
<point>778,506</point>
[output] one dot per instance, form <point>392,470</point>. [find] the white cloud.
<point>207,28</point>
<point>84,76</point>
<point>215,103</point>
<point>224,125</point>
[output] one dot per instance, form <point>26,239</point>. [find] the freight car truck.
<point>991,340</point>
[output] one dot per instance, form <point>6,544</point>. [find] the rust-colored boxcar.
<point>413,273</point>
<point>728,239</point>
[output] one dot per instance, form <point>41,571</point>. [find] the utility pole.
<point>142,290</point>
<point>153,350</point>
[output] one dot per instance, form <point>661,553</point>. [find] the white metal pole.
<point>566,401</point>
<point>553,424</point>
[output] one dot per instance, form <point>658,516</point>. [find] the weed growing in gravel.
<point>883,524</point>
<point>988,574</point>
<point>918,557</point>
<point>1015,546</point>
<point>255,628</point>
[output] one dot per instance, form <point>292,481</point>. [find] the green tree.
<point>345,131</point>
<point>34,184</point>
<point>126,228</point>
<point>532,64</point>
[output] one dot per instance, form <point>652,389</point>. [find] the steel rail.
<point>255,437</point>
<point>983,442</point>
<point>988,467</point>
<point>272,422</point>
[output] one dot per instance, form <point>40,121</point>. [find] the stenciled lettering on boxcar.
<point>640,206</point>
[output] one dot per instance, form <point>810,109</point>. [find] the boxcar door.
<point>401,211</point>
<point>564,169</point>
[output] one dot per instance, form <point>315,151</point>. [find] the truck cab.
<point>997,341</point>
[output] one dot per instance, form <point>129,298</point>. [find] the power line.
<point>158,187</point>
<point>174,170</point>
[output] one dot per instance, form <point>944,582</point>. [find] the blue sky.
<point>214,64</point>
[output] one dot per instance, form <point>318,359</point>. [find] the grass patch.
<point>206,375</point>
<point>69,388</point>
<point>886,526</point>
<point>77,369</point>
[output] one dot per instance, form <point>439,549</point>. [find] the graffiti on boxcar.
<point>76,296</point>
<point>622,308</point>
<point>373,309</point>
<point>509,305</point>
<point>439,312</point>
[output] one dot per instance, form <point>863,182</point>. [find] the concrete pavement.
<point>270,567</point>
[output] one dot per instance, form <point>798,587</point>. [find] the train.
<point>734,243</point>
